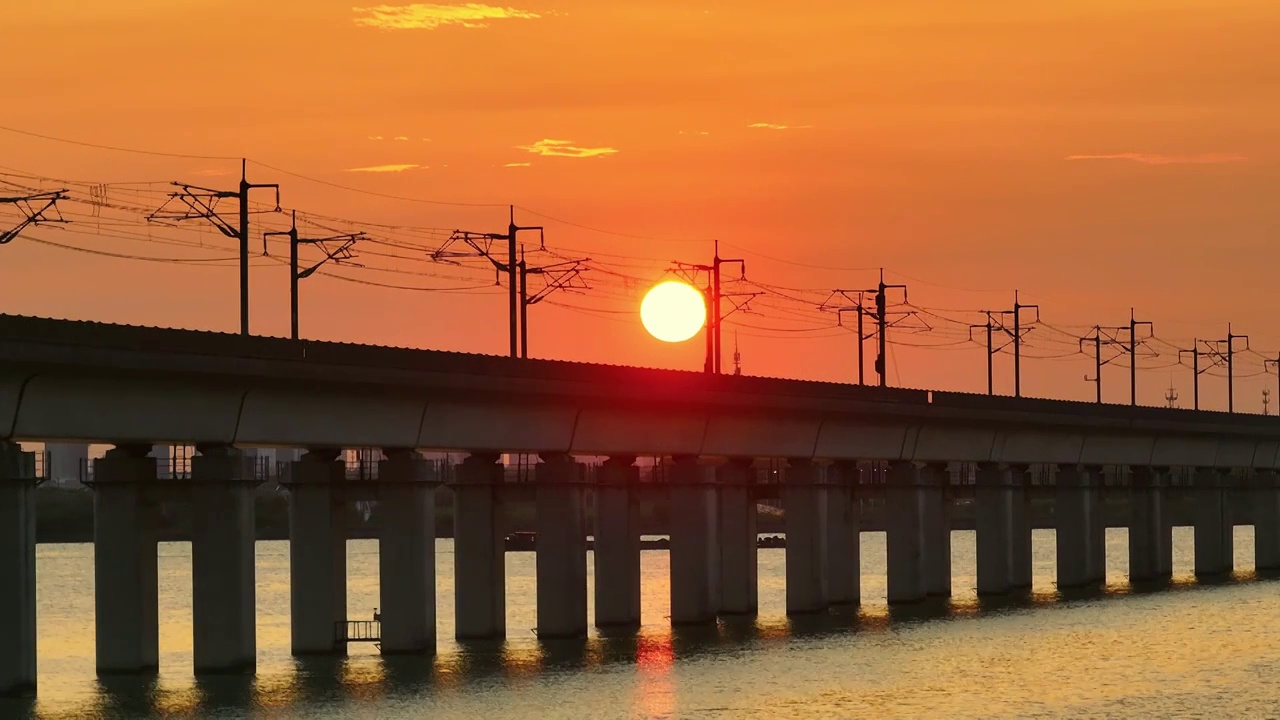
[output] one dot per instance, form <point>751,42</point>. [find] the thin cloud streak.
<point>429,16</point>
<point>1158,159</point>
<point>520,164</point>
<point>775,126</point>
<point>565,148</point>
<point>384,168</point>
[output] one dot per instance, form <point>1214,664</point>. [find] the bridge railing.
<point>349,631</point>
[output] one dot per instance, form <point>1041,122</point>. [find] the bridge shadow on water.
<point>338,680</point>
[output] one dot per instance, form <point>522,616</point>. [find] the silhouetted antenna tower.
<point>1266,401</point>
<point>481,245</point>
<point>1171,395</point>
<point>36,208</point>
<point>336,248</point>
<point>737,356</point>
<point>565,275</point>
<point>1268,364</point>
<point>198,203</point>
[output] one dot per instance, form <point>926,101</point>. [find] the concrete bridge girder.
<point>10,396</point>
<point>602,431</point>
<point>845,440</point>
<point>1024,447</point>
<point>751,435</point>
<point>1117,449</point>
<point>1234,453</point>
<point>1175,451</point>
<point>1266,455</point>
<point>59,407</point>
<point>502,428</point>
<point>954,444</point>
<point>282,417</point>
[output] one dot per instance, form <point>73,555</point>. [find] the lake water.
<point>1192,651</point>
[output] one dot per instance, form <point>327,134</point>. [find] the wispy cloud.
<point>384,168</point>
<point>523,164</point>
<point>694,132</point>
<point>429,16</point>
<point>1158,159</point>
<point>775,126</point>
<point>375,137</point>
<point>401,138</point>
<point>565,148</point>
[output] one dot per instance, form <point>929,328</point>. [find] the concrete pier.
<point>479,550</point>
<point>903,535</point>
<point>805,504</point>
<point>407,552</point>
<point>1150,532</point>
<point>935,529</point>
<point>124,561</point>
<point>1094,497</point>
<point>694,586</point>
<point>561,548</point>
<point>617,545</point>
<point>1266,520</point>
<point>1074,517</point>
<point>1214,546</point>
<point>739,593</point>
<point>317,552</point>
<point>992,516</point>
<point>18,570</point>
<point>844,576</point>
<point>224,613</point>
<point>1020,569</point>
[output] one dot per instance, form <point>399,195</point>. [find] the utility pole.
<point>481,245</point>
<point>854,306</point>
<point>1229,357</point>
<point>990,327</point>
<point>340,253</point>
<point>36,208</point>
<point>882,324</point>
<point>557,276</point>
<point>1195,354</point>
<point>714,295</point>
<point>1018,307</point>
<point>1133,356</point>
<point>201,203</point>
<point>1276,364</point>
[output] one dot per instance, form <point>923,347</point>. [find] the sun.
<point>673,311</point>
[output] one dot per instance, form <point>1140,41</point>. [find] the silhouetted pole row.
<point>35,209</point>
<point>858,307</point>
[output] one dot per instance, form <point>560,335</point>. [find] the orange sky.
<point>1096,154</point>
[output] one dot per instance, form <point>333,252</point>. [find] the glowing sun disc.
<point>673,311</point>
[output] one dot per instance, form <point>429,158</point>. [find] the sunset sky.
<point>1095,154</point>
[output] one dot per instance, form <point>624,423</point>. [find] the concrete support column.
<point>844,575</point>
<point>992,515</point>
<point>479,550</point>
<point>18,571</point>
<point>1094,496</point>
<point>738,538</point>
<point>317,552</point>
<point>125,515</point>
<point>935,528</point>
<point>1074,520</point>
<point>1214,546</point>
<point>224,613</point>
<point>1020,527</point>
<point>1150,534</point>
<point>903,535</point>
<point>407,552</point>
<point>805,504</point>
<point>692,512</point>
<point>617,544</point>
<point>561,549</point>
<point>1266,520</point>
